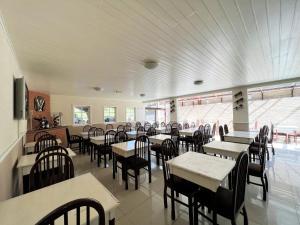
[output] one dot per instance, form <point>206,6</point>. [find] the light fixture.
<point>118,91</point>
<point>198,82</point>
<point>142,95</point>
<point>150,64</point>
<point>98,88</point>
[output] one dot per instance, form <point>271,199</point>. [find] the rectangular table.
<point>98,140</point>
<point>224,148</point>
<point>29,146</point>
<point>26,162</point>
<point>132,134</point>
<point>30,208</point>
<point>188,132</point>
<point>244,137</point>
<point>204,170</point>
<point>159,138</point>
<point>84,134</point>
<point>160,130</point>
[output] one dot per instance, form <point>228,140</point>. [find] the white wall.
<point>64,104</point>
<point>11,131</point>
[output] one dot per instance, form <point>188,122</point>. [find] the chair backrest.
<point>271,133</point>
<point>137,124</point>
<point>213,132</point>
<point>142,147</point>
<point>155,124</point>
<point>151,131</point>
<point>175,135</point>
<point>109,137</point>
<point>262,153</point>
<point>63,210</point>
<point>163,124</point>
<point>39,134</point>
<point>109,127</point>
<point>127,127</point>
<point>198,139</point>
<point>179,127</point>
<point>51,149</point>
<point>68,135</point>
<point>221,133</point>
<point>99,132</point>
<point>45,141</point>
<point>207,130</point>
<point>50,169</point>
<point>193,125</point>
<point>91,132</point>
<point>226,129</point>
<point>174,125</point>
<point>86,128</point>
<point>186,126</point>
<point>140,131</point>
<point>239,182</point>
<point>120,128</point>
<point>168,151</point>
<point>168,128</point>
<point>201,128</point>
<point>121,136</point>
<point>147,125</point>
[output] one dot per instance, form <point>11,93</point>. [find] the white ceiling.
<point>69,46</point>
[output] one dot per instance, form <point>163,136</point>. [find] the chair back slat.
<point>169,151</point>
<point>142,147</point>
<point>45,141</point>
<point>99,132</point>
<point>109,127</point>
<point>39,134</point>
<point>121,136</point>
<point>86,128</point>
<point>221,133</point>
<point>151,131</point>
<point>51,149</point>
<point>226,130</point>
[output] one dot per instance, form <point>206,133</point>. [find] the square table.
<point>28,209</point>
<point>188,132</point>
<point>132,134</point>
<point>224,148</point>
<point>204,170</point>
<point>29,146</point>
<point>244,137</point>
<point>26,162</point>
<point>159,138</point>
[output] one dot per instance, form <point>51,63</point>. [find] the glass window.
<point>81,115</point>
<point>110,114</point>
<point>130,114</point>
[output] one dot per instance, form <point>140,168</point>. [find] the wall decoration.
<point>172,106</point>
<point>238,101</point>
<point>39,104</point>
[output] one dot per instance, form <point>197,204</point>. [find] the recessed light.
<point>98,88</point>
<point>150,64</point>
<point>198,82</point>
<point>118,91</point>
<point>142,95</point>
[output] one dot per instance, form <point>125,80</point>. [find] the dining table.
<point>244,137</point>
<point>159,138</point>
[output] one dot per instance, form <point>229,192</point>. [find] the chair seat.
<point>136,163</point>
<point>254,169</point>
<point>182,186</point>
<point>156,147</point>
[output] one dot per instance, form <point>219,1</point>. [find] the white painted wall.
<point>11,131</point>
<point>64,104</point>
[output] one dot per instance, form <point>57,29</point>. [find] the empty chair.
<point>63,211</point>
<point>206,133</point>
<point>221,133</point>
<point>109,127</point>
<point>193,125</point>
<point>186,126</point>
<point>73,139</point>
<point>155,124</point>
<point>140,160</point>
<point>201,128</point>
<point>198,141</point>
<point>51,149</point>
<point>258,169</point>
<point>120,136</point>
<point>174,125</point>
<point>99,132</point>
<point>50,169</point>
<point>106,148</point>
<point>120,128</point>
<point>179,127</point>
<point>137,125</point>
<point>86,128</point>
<point>168,129</point>
<point>39,134</point>
<point>140,131</point>
<point>226,129</point>
<point>45,141</point>
<point>174,183</point>
<point>151,131</point>
<point>87,142</point>
<point>225,202</point>
<point>270,139</point>
<point>175,136</point>
<point>162,124</point>
<point>128,127</point>
<point>147,125</point>
<point>213,132</point>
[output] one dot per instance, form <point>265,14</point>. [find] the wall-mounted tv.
<point>21,101</point>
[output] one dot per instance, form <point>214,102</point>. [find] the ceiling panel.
<point>68,47</point>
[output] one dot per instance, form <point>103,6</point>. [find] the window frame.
<point>134,114</point>
<point>90,116</point>
<point>115,114</point>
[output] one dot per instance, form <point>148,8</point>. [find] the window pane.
<point>130,114</point>
<point>110,114</point>
<point>81,115</point>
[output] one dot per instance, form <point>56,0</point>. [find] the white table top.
<point>29,208</point>
<point>98,140</point>
<point>245,137</point>
<point>188,132</point>
<point>204,170</point>
<point>32,143</point>
<point>133,133</point>
<point>29,160</point>
<point>224,148</point>
<point>125,149</point>
<point>159,138</point>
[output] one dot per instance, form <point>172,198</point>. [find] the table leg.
<point>114,165</point>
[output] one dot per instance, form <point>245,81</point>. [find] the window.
<point>130,114</point>
<point>110,114</point>
<point>81,115</point>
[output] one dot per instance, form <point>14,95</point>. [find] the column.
<point>240,109</point>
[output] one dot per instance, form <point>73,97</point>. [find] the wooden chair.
<point>50,169</point>
<point>128,127</point>
<point>186,126</point>
<point>120,136</point>
<point>140,131</point>
<point>63,211</point>
<point>86,128</point>
<point>137,125</point>
<point>198,141</point>
<point>226,130</point>
<point>140,160</point>
<point>120,128</point>
<point>168,129</point>
<point>109,127</point>
<point>45,141</point>
<point>151,131</point>
<point>155,124</point>
<point>39,134</point>
<point>174,183</point>
<point>51,149</point>
<point>221,133</point>
<point>106,149</point>
<point>73,139</point>
<point>226,202</point>
<point>201,128</point>
<point>147,125</point>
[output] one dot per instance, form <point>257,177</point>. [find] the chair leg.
<point>114,166</point>
<point>273,151</point>
<point>215,218</point>
<point>165,197</point>
<point>126,177</point>
<point>136,179</point>
<point>157,158</point>
<point>268,155</point>
<point>190,202</point>
<point>195,212</point>
<point>267,183</point>
<point>104,160</point>
<point>149,171</point>
<point>172,205</point>
<point>99,157</point>
<point>245,216</point>
<point>264,189</point>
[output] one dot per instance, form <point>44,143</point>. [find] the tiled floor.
<point>145,206</point>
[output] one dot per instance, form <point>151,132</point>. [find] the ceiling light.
<point>150,64</point>
<point>198,82</point>
<point>98,88</point>
<point>118,91</point>
<point>142,95</point>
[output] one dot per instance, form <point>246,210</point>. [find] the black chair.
<point>213,132</point>
<point>128,127</point>
<point>87,142</point>
<point>151,131</point>
<point>140,131</point>
<point>174,183</point>
<point>109,127</point>
<point>201,128</point>
<point>226,129</point>
<point>106,149</point>
<point>258,170</point>
<point>51,149</point>
<point>270,140</point>
<point>147,125</point>
<point>86,128</point>
<point>174,125</point>
<point>63,210</point>
<point>179,127</point>
<point>137,125</point>
<point>50,169</point>
<point>99,132</point>
<point>207,134</point>
<point>120,136</point>
<point>140,160</point>
<point>193,125</point>
<point>120,128</point>
<point>45,141</point>
<point>39,134</point>
<point>225,202</point>
<point>155,124</point>
<point>198,141</point>
<point>73,139</point>
<point>221,133</point>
